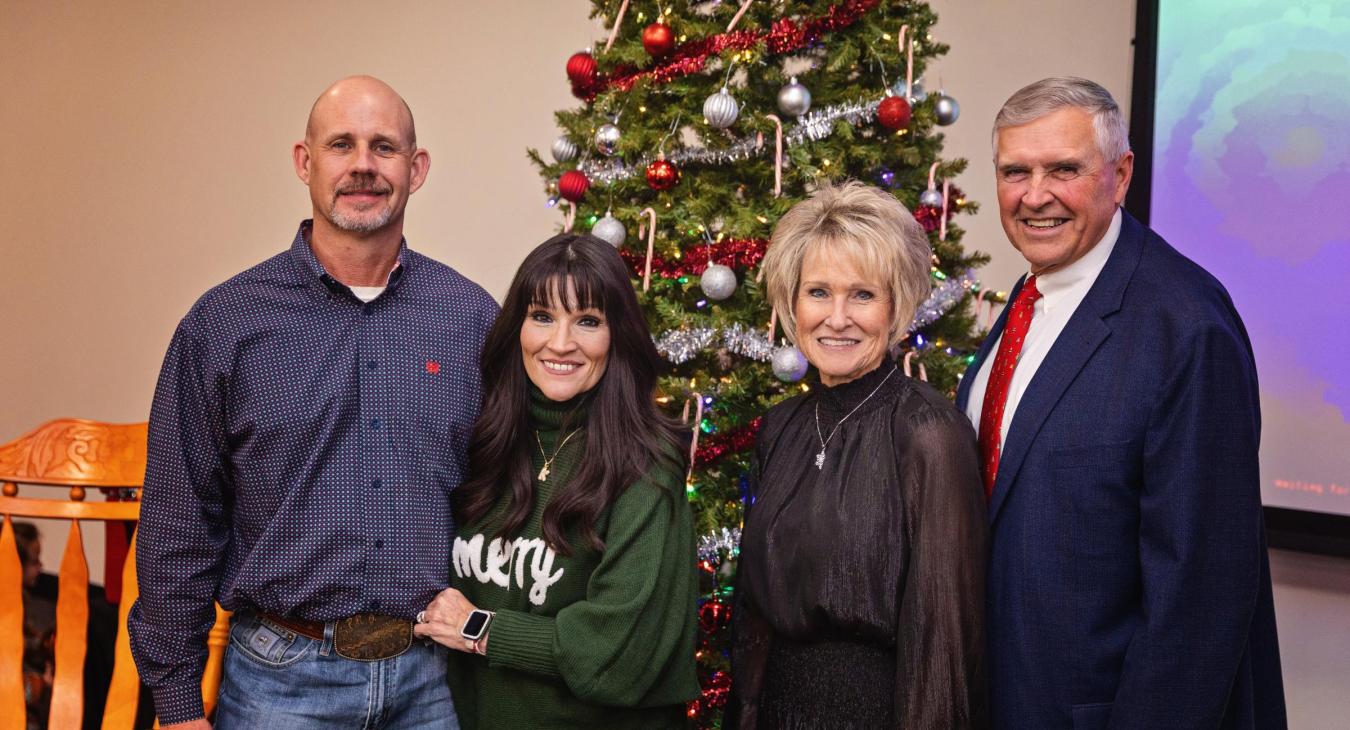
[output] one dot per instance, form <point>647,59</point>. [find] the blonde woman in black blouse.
<point>860,600</point>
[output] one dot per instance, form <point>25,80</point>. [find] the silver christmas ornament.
<point>564,149</point>
<point>916,95</point>
<point>794,99</point>
<point>610,230</point>
<point>931,198</point>
<point>718,282</point>
<point>946,110</point>
<point>721,109</point>
<point>789,364</point>
<point>607,139</point>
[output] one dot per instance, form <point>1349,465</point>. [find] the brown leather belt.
<point>365,637</point>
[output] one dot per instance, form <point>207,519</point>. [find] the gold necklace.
<point>548,460</point>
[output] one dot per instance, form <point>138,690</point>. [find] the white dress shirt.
<point>1061,292</point>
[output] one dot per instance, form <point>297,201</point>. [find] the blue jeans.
<point>275,678</point>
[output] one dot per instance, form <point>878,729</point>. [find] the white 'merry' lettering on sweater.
<point>495,567</point>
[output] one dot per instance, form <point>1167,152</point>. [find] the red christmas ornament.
<point>581,68</point>
<point>573,184</point>
<point>713,616</point>
<point>658,39</point>
<point>894,112</point>
<point>662,174</point>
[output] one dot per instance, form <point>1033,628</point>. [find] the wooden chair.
<point>77,455</point>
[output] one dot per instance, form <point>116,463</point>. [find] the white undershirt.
<point>1061,293</point>
<point>367,294</point>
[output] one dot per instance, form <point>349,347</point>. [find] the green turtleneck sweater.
<point>591,639</point>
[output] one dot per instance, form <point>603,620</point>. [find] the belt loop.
<point>326,646</point>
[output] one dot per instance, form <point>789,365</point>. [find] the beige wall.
<point>147,149</point>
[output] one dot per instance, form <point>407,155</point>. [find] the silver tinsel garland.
<point>714,545</point>
<point>943,297</point>
<point>682,345</point>
<point>815,125</point>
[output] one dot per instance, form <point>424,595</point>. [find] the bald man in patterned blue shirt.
<point>310,421</point>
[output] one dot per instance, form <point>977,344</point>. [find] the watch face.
<point>475,624</point>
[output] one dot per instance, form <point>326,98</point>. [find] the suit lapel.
<point>1081,337</point>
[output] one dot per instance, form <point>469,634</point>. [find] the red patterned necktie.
<point>1000,377</point>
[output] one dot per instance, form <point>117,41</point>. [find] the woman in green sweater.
<point>573,598</point>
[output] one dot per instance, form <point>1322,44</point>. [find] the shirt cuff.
<point>178,703</point>
<point>522,641</point>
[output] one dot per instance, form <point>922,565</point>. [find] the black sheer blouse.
<point>882,548</point>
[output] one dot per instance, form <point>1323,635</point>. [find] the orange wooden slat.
<point>12,710</point>
<point>72,627</point>
<point>66,510</point>
<point>124,693</point>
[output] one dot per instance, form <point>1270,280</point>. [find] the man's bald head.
<point>360,159</point>
<point>358,87</point>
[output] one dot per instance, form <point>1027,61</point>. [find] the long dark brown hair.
<point>626,434</point>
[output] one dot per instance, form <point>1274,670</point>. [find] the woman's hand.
<point>444,618</point>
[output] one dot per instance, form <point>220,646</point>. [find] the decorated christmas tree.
<point>699,125</point>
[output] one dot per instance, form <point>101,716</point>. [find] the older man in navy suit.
<point>1118,418</point>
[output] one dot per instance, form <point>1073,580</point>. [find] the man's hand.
<point>198,724</point>
<point>444,617</point>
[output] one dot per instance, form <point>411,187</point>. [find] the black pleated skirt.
<point>828,685</point>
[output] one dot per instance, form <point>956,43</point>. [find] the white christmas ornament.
<point>931,198</point>
<point>718,282</point>
<point>789,364</point>
<point>721,109</point>
<point>610,230</point>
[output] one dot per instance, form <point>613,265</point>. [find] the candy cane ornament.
<point>777,154</point>
<point>618,19</point>
<point>942,223</point>
<point>651,243</point>
<point>737,18</point>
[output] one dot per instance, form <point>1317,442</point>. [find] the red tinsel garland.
<point>786,35</point>
<point>713,447</point>
<point>738,253</point>
<point>714,694</point>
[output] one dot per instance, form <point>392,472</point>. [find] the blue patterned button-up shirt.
<point>303,447</point>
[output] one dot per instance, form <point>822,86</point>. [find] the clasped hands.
<point>443,619</point>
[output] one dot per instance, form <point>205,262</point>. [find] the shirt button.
<point>374,424</point>
<point>375,605</point>
<point>370,364</point>
<point>367,310</point>
<point>379,543</point>
<point>376,483</point>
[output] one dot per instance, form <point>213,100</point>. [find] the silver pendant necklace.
<point>820,457</point>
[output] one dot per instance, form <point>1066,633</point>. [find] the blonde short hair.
<point>864,223</point>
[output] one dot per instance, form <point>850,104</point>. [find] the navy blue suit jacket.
<point>1129,585</point>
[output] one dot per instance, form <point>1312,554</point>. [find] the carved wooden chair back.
<point>76,455</point>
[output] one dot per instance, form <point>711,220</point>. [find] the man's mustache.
<point>363,186</point>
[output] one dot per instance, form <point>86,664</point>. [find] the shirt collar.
<point>1056,286</point>
<point>310,268</point>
